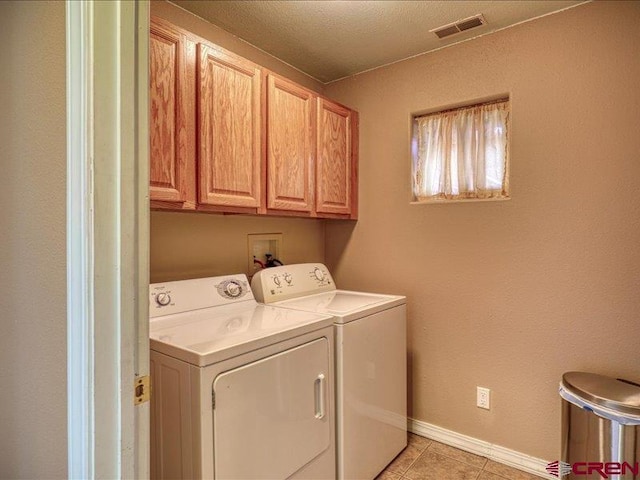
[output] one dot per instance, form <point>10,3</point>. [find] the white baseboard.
<point>521,461</point>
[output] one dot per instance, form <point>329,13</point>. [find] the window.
<point>462,154</point>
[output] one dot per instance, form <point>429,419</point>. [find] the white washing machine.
<point>371,368</point>
<point>239,390</point>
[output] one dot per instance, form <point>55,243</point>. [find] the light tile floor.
<point>425,459</point>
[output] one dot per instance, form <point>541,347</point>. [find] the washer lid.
<point>206,336</point>
<point>344,304</point>
<point>617,394</point>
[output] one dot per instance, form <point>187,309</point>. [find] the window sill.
<point>458,200</point>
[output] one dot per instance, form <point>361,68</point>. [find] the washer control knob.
<point>233,289</point>
<point>287,278</point>
<point>319,274</point>
<point>276,280</point>
<point>163,299</point>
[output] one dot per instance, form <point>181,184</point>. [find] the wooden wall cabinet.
<point>228,136</point>
<point>336,160</point>
<point>290,146</point>
<point>172,118</point>
<point>311,153</point>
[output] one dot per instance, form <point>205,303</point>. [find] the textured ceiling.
<point>329,39</point>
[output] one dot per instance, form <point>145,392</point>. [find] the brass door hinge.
<point>142,389</point>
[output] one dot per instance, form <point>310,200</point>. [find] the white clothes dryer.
<point>239,390</point>
<point>371,368</point>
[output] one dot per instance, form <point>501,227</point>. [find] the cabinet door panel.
<point>290,146</point>
<point>334,169</point>
<point>229,129</point>
<point>172,116</point>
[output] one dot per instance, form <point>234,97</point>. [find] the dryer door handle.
<point>318,387</point>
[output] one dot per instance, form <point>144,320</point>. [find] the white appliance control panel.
<point>291,281</point>
<point>186,295</point>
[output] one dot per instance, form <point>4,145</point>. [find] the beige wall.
<point>509,295</point>
<point>188,245</point>
<point>217,35</point>
<point>192,245</point>
<point>33,441</point>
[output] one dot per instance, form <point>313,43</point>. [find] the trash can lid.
<point>615,393</point>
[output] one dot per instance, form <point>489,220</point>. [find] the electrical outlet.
<point>484,398</point>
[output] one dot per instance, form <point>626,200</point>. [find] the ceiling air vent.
<point>459,26</point>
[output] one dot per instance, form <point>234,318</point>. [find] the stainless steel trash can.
<point>600,427</point>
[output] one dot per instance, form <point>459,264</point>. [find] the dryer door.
<point>271,416</point>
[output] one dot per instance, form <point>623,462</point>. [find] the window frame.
<point>506,187</point>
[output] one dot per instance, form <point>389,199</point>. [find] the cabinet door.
<point>172,117</point>
<point>229,129</point>
<point>290,146</point>
<point>334,158</point>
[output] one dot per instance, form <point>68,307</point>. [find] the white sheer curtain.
<point>462,153</point>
